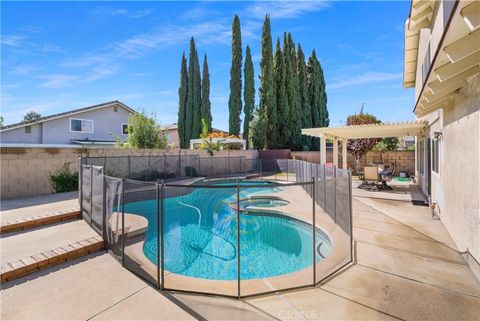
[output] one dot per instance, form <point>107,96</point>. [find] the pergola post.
<point>344,154</point>
<point>335,152</point>
<point>323,150</point>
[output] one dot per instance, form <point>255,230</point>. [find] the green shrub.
<point>63,179</point>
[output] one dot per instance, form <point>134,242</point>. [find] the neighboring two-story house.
<point>93,125</point>
<point>442,63</point>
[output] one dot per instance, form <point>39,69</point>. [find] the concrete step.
<point>33,263</point>
<point>26,213</point>
<point>26,223</point>
<point>29,250</point>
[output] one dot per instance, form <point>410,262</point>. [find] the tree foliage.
<point>248,95</point>
<point>206,105</point>
<point>31,116</point>
<point>359,147</point>
<point>182,104</point>
<point>1,120</point>
<point>145,132</point>
<point>282,132</point>
<point>306,112</point>
<point>267,107</point>
<point>387,144</point>
<point>257,132</point>
<point>235,99</point>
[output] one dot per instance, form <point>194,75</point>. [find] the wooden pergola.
<point>343,133</point>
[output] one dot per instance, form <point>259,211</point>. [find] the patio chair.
<point>386,176</point>
<point>370,178</point>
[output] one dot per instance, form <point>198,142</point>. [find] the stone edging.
<point>19,268</point>
<point>35,221</point>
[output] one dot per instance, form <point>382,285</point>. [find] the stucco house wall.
<point>106,125</point>
<point>456,188</point>
<point>18,135</point>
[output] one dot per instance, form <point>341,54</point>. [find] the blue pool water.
<point>200,235</point>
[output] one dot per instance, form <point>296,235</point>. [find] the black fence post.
<point>313,230</point>
<point>80,184</point>
<point>350,212</point>
<point>335,193</point>
<point>123,222</point>
<point>238,239</point>
<point>325,188</point>
<point>159,231</point>
<point>104,211</point>
<point>162,231</point>
<point>91,195</point>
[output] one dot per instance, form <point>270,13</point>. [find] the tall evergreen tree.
<point>189,114</point>
<point>197,96</point>
<point>267,108</point>
<point>283,110</point>
<point>324,117</point>
<point>294,98</point>
<point>314,94</point>
<point>292,93</point>
<point>248,95</point>
<point>206,105</point>
<point>182,103</point>
<point>235,100</point>
<point>306,112</point>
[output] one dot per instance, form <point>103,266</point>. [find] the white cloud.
<point>284,9</point>
<point>368,77</point>
<point>204,33</point>
<point>13,41</point>
<point>121,12</point>
<point>58,80</point>
<point>85,61</point>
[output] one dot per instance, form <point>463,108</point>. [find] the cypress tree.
<point>324,118</point>
<point>314,94</point>
<point>248,94</point>
<point>182,103</point>
<point>283,113</point>
<point>294,98</point>
<point>235,100</point>
<point>306,113</point>
<point>189,114</point>
<point>206,112</point>
<point>267,108</point>
<point>197,99</point>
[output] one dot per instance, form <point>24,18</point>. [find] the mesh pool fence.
<point>289,226</point>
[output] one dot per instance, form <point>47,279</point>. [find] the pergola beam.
<point>463,47</point>
<point>451,69</point>
<point>471,15</point>
<point>437,85</point>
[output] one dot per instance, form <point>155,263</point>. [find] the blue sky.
<point>57,56</point>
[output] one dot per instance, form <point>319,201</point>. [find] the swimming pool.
<point>200,235</point>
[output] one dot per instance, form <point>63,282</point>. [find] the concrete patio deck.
<point>407,268</point>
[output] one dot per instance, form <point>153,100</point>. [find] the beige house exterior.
<point>442,63</point>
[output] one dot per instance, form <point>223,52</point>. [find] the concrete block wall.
<point>25,171</point>
<point>404,160</point>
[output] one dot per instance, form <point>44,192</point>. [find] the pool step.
<point>18,268</point>
<point>40,220</point>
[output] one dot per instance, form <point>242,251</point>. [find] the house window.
<point>426,64</point>
<point>420,156</point>
<point>28,129</point>
<point>435,155</point>
<point>81,125</point>
<point>125,129</point>
<point>115,109</point>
